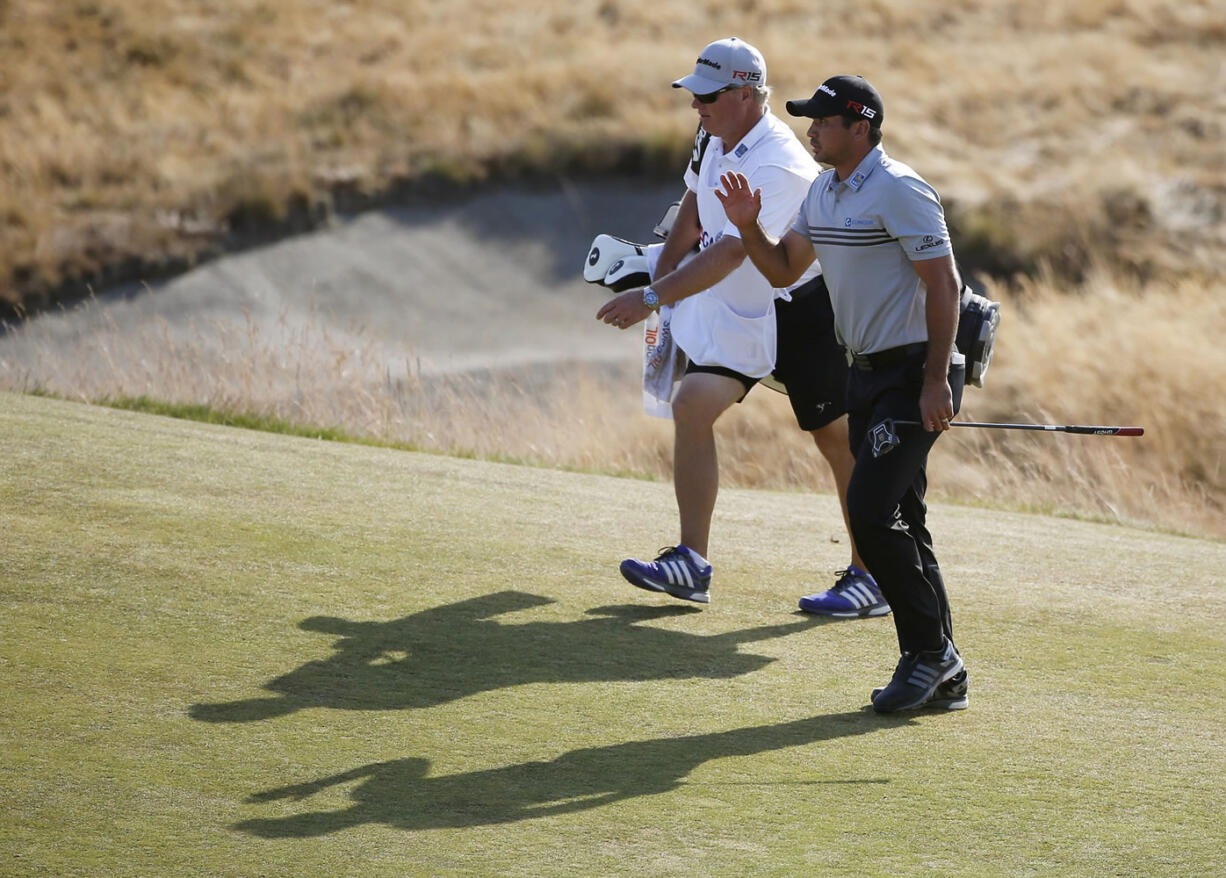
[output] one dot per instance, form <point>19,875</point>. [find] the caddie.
<point>734,327</point>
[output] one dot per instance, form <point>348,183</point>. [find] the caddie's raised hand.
<point>741,204</point>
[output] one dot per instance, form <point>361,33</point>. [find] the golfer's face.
<point>830,138</point>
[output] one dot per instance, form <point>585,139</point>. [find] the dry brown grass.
<point>1110,352</point>
<point>139,133</point>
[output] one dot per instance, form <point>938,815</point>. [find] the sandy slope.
<point>491,281</point>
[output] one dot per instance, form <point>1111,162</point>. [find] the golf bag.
<point>978,319</point>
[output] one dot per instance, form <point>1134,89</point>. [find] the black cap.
<point>842,96</point>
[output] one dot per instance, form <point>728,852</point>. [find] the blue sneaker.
<point>917,678</point>
<point>677,570</point>
<point>854,596</point>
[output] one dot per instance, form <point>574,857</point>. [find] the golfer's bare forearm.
<point>942,318</point>
<point>940,313</point>
<point>770,257</point>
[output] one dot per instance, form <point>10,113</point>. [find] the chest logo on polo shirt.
<point>928,242</point>
<point>859,222</point>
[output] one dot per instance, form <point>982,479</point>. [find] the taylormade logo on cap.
<point>723,63</point>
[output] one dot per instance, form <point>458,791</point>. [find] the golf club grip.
<point>1107,431</point>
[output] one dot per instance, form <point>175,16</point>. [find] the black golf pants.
<point>885,499</point>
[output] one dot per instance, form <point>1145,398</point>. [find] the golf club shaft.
<point>1050,428</point>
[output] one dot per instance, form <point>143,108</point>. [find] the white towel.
<point>663,362</point>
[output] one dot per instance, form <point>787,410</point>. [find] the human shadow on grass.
<point>400,793</point>
<point>456,650</point>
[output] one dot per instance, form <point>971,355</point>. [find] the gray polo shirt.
<point>866,231</point>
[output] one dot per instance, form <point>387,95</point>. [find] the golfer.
<point>724,319</point>
<point>880,233</point>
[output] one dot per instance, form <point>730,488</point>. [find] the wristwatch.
<point>650,299</point>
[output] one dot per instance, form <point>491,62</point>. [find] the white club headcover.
<point>627,272</point>
<point>604,252</point>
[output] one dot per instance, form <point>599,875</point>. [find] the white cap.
<point>724,63</point>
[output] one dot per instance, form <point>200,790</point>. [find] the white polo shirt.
<point>867,230</point>
<point>732,323</point>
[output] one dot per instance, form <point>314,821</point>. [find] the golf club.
<point>885,439</point>
<point>1051,428</point>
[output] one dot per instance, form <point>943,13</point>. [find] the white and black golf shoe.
<point>917,677</point>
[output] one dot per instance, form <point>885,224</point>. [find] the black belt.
<point>887,358</point>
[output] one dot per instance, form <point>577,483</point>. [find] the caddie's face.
<point>831,139</point>
<point>723,114</point>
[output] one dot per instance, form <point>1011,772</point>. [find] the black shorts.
<point>748,382</point>
<point>810,362</point>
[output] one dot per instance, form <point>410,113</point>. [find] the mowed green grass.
<point>226,652</point>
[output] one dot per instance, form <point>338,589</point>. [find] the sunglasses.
<point>714,96</point>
